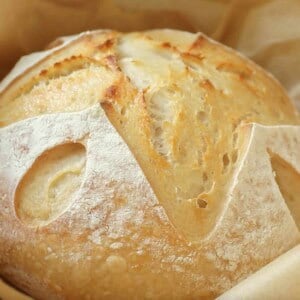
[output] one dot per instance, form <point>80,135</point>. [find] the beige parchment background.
<point>267,31</point>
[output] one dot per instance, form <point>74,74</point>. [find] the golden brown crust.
<point>176,213</point>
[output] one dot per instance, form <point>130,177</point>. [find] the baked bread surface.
<point>137,166</point>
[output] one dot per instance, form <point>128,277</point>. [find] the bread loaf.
<point>147,165</point>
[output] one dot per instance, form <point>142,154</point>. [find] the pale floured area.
<point>147,165</point>
<point>55,177</point>
<point>287,179</point>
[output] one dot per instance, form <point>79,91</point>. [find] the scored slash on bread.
<point>176,180</point>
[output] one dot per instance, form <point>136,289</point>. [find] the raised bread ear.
<point>255,200</point>
<point>25,63</point>
<point>288,179</point>
<point>283,147</point>
<point>258,188</point>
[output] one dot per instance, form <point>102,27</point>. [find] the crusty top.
<point>139,164</point>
